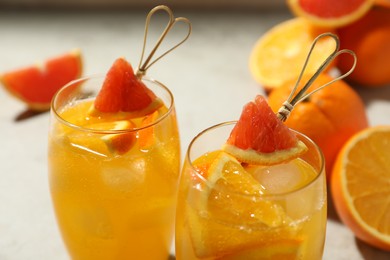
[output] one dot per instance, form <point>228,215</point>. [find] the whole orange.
<point>329,117</point>
<point>369,38</point>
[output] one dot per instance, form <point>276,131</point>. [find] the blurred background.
<point>209,76</point>
<point>131,4</point>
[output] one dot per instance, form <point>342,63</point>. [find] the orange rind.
<point>251,156</point>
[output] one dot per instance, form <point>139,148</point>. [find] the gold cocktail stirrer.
<point>143,66</point>
<point>292,100</point>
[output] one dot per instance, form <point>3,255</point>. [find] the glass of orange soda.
<point>113,201</point>
<point>230,210</point>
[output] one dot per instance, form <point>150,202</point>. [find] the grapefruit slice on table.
<point>330,13</point>
<point>122,91</point>
<point>259,137</point>
<point>37,84</point>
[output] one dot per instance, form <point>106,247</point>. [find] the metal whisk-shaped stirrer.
<point>292,100</point>
<point>144,66</point>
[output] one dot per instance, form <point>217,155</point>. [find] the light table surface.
<point>208,76</point>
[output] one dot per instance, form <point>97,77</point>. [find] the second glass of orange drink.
<point>114,162</point>
<point>251,189</point>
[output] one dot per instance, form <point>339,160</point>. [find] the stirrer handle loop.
<point>292,100</point>
<point>144,66</point>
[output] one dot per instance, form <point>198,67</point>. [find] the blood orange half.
<point>259,137</point>
<point>330,13</point>
<point>36,85</point>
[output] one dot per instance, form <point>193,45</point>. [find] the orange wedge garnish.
<point>146,137</point>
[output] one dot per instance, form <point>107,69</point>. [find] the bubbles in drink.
<point>126,178</point>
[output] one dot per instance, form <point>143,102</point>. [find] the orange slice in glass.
<point>229,205</point>
<point>146,137</point>
<point>104,143</point>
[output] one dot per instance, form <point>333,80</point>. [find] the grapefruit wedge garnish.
<point>36,85</point>
<point>122,91</point>
<point>259,137</point>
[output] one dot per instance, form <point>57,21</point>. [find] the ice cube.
<point>124,178</point>
<point>292,176</point>
<point>279,178</point>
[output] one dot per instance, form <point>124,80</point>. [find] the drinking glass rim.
<point>102,131</point>
<point>320,172</point>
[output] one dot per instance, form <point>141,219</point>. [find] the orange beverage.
<point>113,178</point>
<point>232,210</point>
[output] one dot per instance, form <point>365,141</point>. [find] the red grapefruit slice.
<point>122,91</point>
<point>330,13</point>
<point>36,85</point>
<point>259,137</point>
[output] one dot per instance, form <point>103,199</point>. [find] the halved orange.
<point>330,13</point>
<point>279,55</point>
<point>360,185</point>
